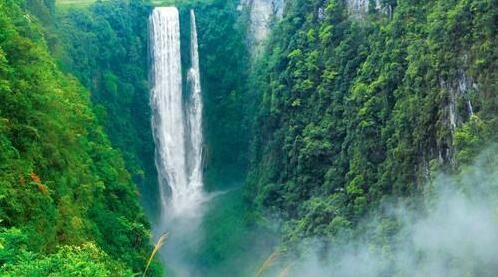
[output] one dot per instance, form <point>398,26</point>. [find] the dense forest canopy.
<point>347,132</point>
<point>66,195</point>
<point>362,106</point>
<point>105,47</point>
<point>359,106</point>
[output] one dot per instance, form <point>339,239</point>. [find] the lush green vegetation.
<point>225,64</point>
<point>105,47</point>
<point>356,109</point>
<point>70,4</point>
<point>341,113</point>
<point>229,230</point>
<point>66,197</point>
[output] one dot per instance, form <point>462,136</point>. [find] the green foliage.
<point>105,47</point>
<point>65,195</point>
<point>235,243</point>
<point>71,4</point>
<point>470,138</point>
<point>358,109</point>
<point>224,62</point>
<point>84,260</point>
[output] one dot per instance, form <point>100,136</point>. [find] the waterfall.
<point>176,120</point>
<point>195,109</point>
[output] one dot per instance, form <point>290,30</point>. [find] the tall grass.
<point>162,240</point>
<point>285,272</point>
<point>268,263</point>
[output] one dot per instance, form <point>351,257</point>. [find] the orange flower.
<point>43,189</point>
<point>35,178</point>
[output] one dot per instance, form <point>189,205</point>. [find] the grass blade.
<point>162,240</point>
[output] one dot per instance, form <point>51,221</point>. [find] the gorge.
<point>264,137</point>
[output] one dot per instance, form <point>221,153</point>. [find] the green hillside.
<point>65,194</point>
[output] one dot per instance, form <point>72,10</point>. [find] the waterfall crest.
<point>176,120</point>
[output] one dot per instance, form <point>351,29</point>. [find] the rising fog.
<point>454,232</point>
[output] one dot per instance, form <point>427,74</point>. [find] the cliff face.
<point>265,13</point>
<point>361,6</point>
<point>358,105</point>
<point>261,15</point>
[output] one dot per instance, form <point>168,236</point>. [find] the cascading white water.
<point>194,114</point>
<point>177,125</point>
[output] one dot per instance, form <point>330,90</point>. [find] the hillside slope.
<point>65,195</point>
<point>360,105</point>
